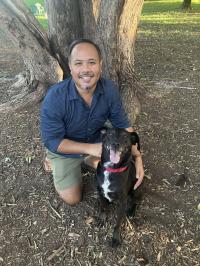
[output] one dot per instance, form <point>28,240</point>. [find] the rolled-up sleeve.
<point>117,116</point>
<point>51,122</point>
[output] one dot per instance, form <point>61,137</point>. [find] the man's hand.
<point>139,171</point>
<point>95,149</point>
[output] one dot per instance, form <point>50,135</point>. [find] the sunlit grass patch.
<point>32,2</point>
<point>159,16</point>
<point>42,18</point>
<point>171,18</point>
<point>43,21</point>
<point>163,6</point>
<point>160,6</point>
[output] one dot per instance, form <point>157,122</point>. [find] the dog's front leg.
<point>116,239</point>
<point>103,202</point>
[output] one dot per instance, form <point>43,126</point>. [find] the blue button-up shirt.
<point>65,115</point>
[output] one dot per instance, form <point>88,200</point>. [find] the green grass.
<point>32,2</point>
<point>163,12</point>
<point>42,19</point>
<point>170,11</point>
<point>161,16</point>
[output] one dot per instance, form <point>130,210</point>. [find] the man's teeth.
<point>86,78</point>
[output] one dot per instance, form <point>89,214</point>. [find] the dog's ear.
<point>135,139</point>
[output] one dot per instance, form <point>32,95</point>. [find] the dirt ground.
<point>36,228</point>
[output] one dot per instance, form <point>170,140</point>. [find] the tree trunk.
<point>64,25</point>
<point>111,24</point>
<point>42,69</point>
<point>186,4</point>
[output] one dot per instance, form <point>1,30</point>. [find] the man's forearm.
<point>135,151</point>
<point>74,147</point>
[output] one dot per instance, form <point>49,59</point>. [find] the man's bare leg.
<point>72,195</point>
<point>92,161</point>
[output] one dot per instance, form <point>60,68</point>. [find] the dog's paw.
<point>116,242</point>
<point>130,213</point>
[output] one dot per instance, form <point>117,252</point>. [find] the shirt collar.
<point>73,94</point>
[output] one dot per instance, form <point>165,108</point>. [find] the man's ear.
<point>135,139</point>
<point>101,63</point>
<point>69,64</point>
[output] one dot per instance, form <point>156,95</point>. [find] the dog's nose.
<point>115,145</point>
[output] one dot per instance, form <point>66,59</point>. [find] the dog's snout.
<point>115,145</point>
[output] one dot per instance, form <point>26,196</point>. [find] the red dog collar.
<point>116,170</point>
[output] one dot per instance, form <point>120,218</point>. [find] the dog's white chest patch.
<point>106,185</point>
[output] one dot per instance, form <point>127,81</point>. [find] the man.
<point>72,114</point>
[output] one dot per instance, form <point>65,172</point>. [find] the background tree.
<point>186,4</point>
<point>111,24</point>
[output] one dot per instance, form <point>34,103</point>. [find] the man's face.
<point>85,66</point>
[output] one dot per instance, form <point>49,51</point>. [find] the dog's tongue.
<point>114,156</point>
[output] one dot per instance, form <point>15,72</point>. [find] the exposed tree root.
<point>23,100</point>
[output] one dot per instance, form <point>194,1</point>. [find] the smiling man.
<point>72,115</point>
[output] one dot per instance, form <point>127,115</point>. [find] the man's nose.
<point>86,67</point>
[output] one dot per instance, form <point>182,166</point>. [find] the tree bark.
<point>186,4</point>
<point>116,34</point>
<point>42,69</point>
<point>64,25</point>
<point>111,24</point>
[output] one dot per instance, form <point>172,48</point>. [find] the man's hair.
<point>82,40</point>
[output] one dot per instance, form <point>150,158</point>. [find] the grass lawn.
<point>154,12</point>
<point>168,13</point>
<point>42,19</point>
<point>165,28</point>
<point>32,2</point>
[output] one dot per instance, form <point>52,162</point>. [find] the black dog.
<point>116,176</point>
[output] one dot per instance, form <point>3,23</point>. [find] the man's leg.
<point>92,161</point>
<point>67,177</point>
<point>72,195</point>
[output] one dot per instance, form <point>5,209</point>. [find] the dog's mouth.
<point>115,156</point>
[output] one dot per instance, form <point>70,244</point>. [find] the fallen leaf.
<point>159,256</point>
<point>73,235</point>
<point>89,220</point>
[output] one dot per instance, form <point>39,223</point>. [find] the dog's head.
<point>117,145</point>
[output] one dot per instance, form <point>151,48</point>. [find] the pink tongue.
<point>114,156</point>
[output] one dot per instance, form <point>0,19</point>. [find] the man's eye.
<point>92,63</point>
<point>78,64</point>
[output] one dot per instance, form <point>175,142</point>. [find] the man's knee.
<point>92,161</point>
<point>71,196</point>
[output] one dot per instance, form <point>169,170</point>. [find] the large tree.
<point>186,4</point>
<point>112,24</point>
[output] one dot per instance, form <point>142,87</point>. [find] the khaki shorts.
<point>66,171</point>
